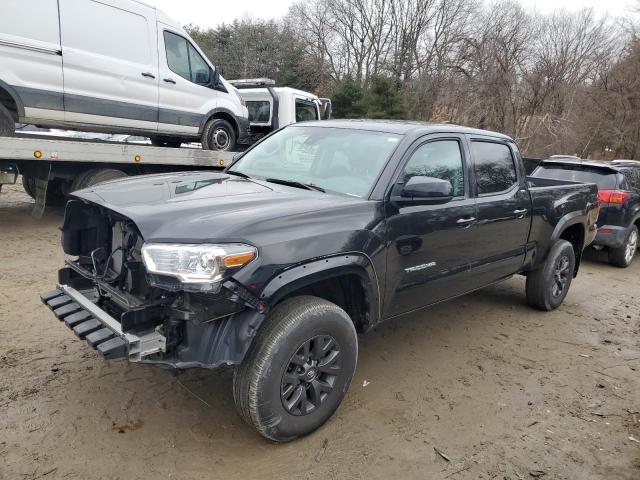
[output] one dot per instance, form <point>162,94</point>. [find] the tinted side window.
<point>177,56</point>
<point>632,177</point>
<point>259,111</point>
<point>439,159</point>
<point>494,167</point>
<point>199,68</point>
<point>306,111</point>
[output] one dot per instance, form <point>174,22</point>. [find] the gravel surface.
<point>480,387</point>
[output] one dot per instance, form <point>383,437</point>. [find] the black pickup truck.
<point>321,230</point>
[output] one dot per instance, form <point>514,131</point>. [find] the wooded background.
<point>558,83</point>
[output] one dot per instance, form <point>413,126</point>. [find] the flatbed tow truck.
<point>52,167</point>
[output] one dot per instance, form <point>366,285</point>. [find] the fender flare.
<point>14,95</point>
<point>324,268</point>
<point>207,116</point>
<point>569,220</point>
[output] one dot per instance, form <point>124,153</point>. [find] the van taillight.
<point>613,196</point>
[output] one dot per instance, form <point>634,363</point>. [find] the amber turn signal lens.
<point>37,154</point>
<point>238,259</point>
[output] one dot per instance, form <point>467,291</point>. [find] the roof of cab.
<point>402,127</point>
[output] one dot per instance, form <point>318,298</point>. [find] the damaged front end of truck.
<point>175,305</point>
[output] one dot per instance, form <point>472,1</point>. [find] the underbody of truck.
<point>107,297</point>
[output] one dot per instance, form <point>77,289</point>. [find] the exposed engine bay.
<point>201,328</point>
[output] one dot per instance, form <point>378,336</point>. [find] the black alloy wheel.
<point>311,374</point>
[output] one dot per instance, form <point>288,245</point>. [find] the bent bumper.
<point>101,331</point>
<point>611,236</point>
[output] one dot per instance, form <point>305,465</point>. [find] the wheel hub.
<point>309,378</point>
<point>632,246</point>
<point>221,138</point>
<point>560,276</point>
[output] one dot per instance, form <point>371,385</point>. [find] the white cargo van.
<point>272,107</point>
<point>115,66</point>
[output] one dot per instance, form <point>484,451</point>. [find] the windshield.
<point>605,179</point>
<point>335,159</point>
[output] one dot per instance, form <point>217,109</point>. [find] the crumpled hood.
<point>205,206</point>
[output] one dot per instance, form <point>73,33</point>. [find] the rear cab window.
<point>306,111</point>
<point>259,111</point>
<point>604,178</point>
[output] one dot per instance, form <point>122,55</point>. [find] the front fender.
<point>308,273</point>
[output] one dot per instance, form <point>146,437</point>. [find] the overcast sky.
<point>210,13</point>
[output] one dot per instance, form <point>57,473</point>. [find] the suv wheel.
<point>298,369</point>
<point>623,256</point>
<point>218,134</point>
<point>7,125</point>
<point>548,286</point>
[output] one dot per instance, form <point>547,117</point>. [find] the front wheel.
<point>623,256</point>
<point>218,134</point>
<point>298,369</point>
<point>548,286</point>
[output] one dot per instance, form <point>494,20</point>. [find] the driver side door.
<point>430,247</point>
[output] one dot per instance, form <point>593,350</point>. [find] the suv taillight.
<point>617,197</point>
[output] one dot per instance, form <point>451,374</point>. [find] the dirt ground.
<point>479,388</point>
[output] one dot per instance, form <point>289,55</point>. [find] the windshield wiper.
<point>240,174</point>
<point>293,183</point>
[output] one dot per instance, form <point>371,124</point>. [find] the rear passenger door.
<point>110,63</point>
<point>504,214</point>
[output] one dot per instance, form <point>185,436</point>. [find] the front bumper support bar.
<point>101,331</point>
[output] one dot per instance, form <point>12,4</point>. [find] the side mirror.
<point>421,190</point>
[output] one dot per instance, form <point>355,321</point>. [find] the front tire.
<point>623,256</point>
<point>548,286</point>
<point>298,369</point>
<point>218,134</point>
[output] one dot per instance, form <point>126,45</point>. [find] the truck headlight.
<point>196,263</point>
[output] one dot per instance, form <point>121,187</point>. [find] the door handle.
<point>149,75</point>
<point>466,222</point>
<point>520,213</point>
<point>169,80</point>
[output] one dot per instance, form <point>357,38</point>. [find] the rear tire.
<point>7,124</point>
<point>623,256</point>
<point>548,286</point>
<point>95,176</point>
<point>298,368</point>
<point>218,134</point>
<point>55,195</point>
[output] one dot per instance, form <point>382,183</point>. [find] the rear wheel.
<point>55,191</point>
<point>7,125</point>
<point>548,286</point>
<point>218,134</point>
<point>623,256</point>
<point>92,177</point>
<point>298,369</point>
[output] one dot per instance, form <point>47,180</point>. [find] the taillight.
<point>613,196</point>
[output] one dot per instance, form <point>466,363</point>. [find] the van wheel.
<point>298,368</point>
<point>548,286</point>
<point>623,256</point>
<point>169,142</point>
<point>29,186</point>
<point>218,134</point>
<point>95,176</point>
<point>7,125</point>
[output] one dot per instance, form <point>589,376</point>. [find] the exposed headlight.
<point>204,264</point>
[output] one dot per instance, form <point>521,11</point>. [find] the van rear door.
<point>110,63</point>
<point>30,57</point>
